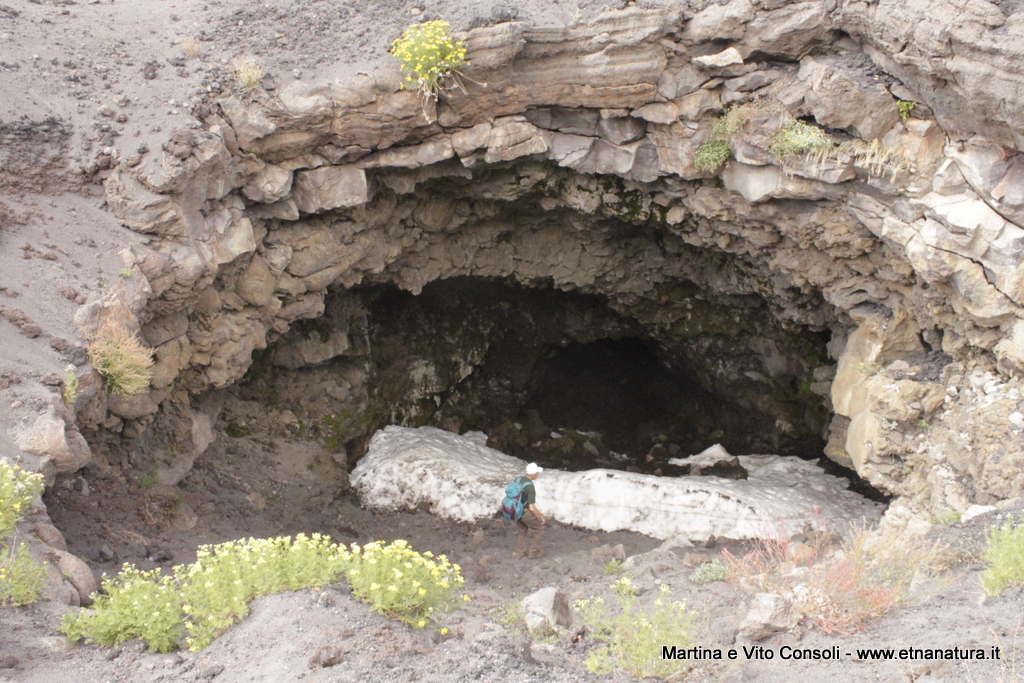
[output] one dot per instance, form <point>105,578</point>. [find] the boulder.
<point>270,184</point>
<point>49,437</point>
<point>546,610</point>
<point>329,187</point>
<point>769,614</point>
<point>78,573</point>
<point>839,97</point>
<point>256,285</point>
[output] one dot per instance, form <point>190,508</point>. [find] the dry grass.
<point>122,360</point>
<point>190,47</point>
<point>871,156</point>
<point>838,588</point>
<point>247,72</point>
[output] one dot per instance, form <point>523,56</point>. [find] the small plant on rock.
<point>613,566</point>
<point>905,107</point>
<point>1004,557</point>
<point>429,55</point>
<point>947,516</point>
<point>21,577</point>
<point>712,153</point>
<point>709,571</point>
<point>121,359</point>
<point>795,138</point>
<point>70,392</point>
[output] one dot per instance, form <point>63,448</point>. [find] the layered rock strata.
<point>567,158</point>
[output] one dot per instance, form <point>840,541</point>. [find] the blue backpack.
<point>512,503</point>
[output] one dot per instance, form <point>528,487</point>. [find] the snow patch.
<point>460,478</point>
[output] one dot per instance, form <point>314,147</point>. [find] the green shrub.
<point>429,55</point>
<point>712,153</point>
<point>632,639</point>
<point>797,137</point>
<point>1004,555</point>
<point>122,360</point>
<point>709,571</point>
<point>793,138</point>
<point>21,577</point>
<point>195,604</point>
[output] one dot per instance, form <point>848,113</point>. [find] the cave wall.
<point>567,159</point>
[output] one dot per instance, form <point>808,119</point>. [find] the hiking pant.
<point>529,527</point>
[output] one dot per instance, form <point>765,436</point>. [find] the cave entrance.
<point>566,379</point>
<point>621,390</point>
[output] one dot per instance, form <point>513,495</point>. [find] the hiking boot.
<point>535,553</point>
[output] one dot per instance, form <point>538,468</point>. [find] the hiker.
<point>520,505</point>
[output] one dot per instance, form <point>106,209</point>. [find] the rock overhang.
<point>900,243</point>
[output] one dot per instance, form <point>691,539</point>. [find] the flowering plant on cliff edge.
<point>429,54</point>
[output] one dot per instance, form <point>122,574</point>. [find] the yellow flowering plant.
<point>200,600</point>
<point>401,583</point>
<point>429,55</point>
<point>192,606</point>
<point>133,604</point>
<point>631,638</point>
<point>21,577</point>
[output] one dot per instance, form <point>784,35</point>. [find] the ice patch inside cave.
<point>460,478</point>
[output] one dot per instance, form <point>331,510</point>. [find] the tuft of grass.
<point>190,607</point>
<point>190,47</point>
<point>709,571</point>
<point>631,638</point>
<point>508,614</point>
<point>1004,557</point>
<point>429,55</point>
<point>148,480</point>
<point>247,72</point>
<point>125,364</point>
<point>870,156</point>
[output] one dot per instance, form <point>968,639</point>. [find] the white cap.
<point>534,468</point>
